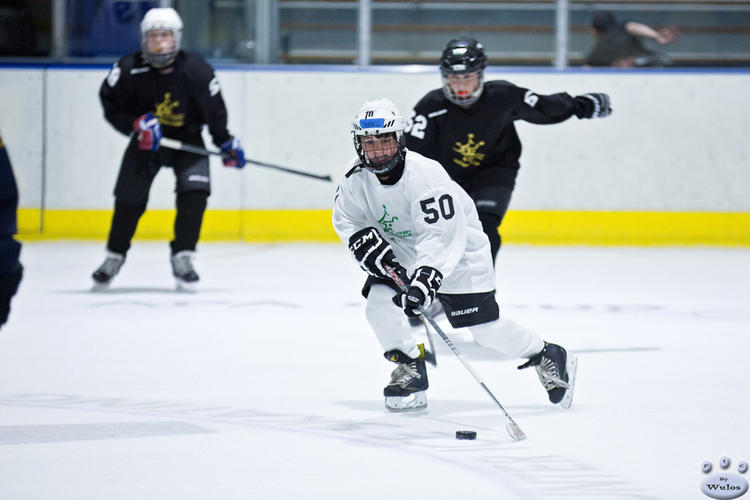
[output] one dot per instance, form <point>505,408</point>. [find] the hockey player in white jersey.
<point>396,208</point>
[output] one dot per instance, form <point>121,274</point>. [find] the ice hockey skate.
<point>109,268</point>
<point>406,390</point>
<point>557,373</point>
<point>183,271</point>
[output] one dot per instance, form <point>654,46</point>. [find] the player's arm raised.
<point>555,108</point>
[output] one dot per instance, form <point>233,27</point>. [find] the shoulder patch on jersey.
<point>114,74</point>
<point>135,71</point>
<point>437,113</point>
<point>214,87</point>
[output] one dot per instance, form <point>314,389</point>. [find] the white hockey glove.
<point>422,290</point>
<point>596,105</point>
<point>373,253</point>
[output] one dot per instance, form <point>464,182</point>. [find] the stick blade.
<point>515,431</point>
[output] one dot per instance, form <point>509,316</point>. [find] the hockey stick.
<point>429,341</point>
<point>181,146</point>
<point>512,427</point>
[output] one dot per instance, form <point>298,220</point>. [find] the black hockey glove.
<point>422,290</point>
<point>595,105</point>
<point>373,253</point>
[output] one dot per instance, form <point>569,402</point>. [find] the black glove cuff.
<point>584,107</point>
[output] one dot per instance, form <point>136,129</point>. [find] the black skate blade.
<point>515,431</point>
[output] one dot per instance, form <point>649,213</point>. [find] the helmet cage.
<point>382,167</point>
<point>161,19</point>
<point>463,56</point>
<point>466,100</point>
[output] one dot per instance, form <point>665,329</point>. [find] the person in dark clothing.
<point>11,270</point>
<point>621,44</point>
<point>467,126</point>
<point>163,90</point>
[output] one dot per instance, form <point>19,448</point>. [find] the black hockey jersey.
<point>9,248</point>
<point>183,100</point>
<point>481,142</point>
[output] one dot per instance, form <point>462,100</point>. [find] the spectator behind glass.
<point>17,34</point>
<point>621,44</point>
<point>106,27</point>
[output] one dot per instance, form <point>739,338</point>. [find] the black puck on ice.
<point>466,435</point>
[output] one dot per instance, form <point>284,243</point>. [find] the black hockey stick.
<point>512,427</point>
<point>179,145</point>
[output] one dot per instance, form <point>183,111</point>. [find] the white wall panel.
<point>676,140</point>
<point>21,126</point>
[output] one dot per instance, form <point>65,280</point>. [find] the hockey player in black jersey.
<point>467,126</point>
<point>163,91</point>
<point>11,270</point>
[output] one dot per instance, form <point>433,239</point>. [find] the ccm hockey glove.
<point>234,155</point>
<point>149,132</point>
<point>596,105</point>
<point>373,253</point>
<point>422,290</point>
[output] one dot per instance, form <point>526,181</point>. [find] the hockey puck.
<point>466,435</point>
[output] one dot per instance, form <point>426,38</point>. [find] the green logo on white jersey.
<point>388,225</point>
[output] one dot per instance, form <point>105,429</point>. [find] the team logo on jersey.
<point>468,152</point>
<point>165,112</point>
<point>388,225</point>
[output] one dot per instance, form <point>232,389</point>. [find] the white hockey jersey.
<point>425,216</point>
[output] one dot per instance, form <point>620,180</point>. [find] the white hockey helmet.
<point>379,117</point>
<point>161,19</point>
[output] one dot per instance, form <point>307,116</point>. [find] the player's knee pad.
<point>490,224</point>
<point>489,220</point>
<point>192,201</point>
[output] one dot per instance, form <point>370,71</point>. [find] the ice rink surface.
<point>267,382</point>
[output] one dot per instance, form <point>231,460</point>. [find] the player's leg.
<point>406,389</point>
<point>491,227</point>
<point>193,189</point>
<point>480,314</point>
<point>492,203</point>
<point>137,172</point>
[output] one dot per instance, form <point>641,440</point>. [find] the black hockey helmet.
<point>463,56</point>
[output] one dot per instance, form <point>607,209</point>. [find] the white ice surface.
<point>267,383</point>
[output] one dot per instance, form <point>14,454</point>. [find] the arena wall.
<point>670,166</point>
